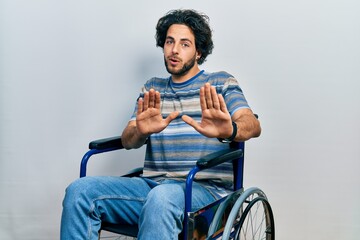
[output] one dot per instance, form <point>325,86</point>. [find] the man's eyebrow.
<point>185,39</point>
<point>182,39</point>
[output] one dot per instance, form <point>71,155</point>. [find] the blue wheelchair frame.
<point>235,154</point>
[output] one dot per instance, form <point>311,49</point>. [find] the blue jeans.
<point>157,207</point>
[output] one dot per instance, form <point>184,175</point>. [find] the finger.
<point>193,123</point>
<point>209,102</point>
<point>215,98</point>
<point>171,117</point>
<point>140,106</point>
<point>190,121</point>
<point>146,101</point>
<point>202,99</point>
<point>223,106</point>
<point>151,98</point>
<point>157,100</point>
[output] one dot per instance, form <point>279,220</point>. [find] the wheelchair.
<point>243,214</point>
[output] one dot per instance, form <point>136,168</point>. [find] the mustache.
<point>174,57</point>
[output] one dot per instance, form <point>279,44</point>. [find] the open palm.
<point>215,120</point>
<point>149,119</point>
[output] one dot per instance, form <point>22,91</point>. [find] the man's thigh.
<point>112,199</point>
<point>175,191</point>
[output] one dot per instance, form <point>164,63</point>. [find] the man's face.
<point>180,53</point>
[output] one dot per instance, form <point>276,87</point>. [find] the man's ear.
<point>198,55</point>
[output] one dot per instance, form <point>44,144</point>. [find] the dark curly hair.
<point>199,24</point>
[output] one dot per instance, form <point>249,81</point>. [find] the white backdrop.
<point>70,72</point>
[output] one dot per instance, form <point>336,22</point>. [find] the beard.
<point>185,69</point>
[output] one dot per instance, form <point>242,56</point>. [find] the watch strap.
<point>233,135</point>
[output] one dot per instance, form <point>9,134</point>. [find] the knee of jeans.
<point>166,197</point>
<point>164,206</point>
<point>76,191</point>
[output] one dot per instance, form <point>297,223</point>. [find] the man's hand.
<point>149,119</point>
<point>216,120</point>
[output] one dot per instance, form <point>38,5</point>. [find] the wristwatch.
<point>233,135</point>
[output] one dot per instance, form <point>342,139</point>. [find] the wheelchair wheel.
<point>250,218</point>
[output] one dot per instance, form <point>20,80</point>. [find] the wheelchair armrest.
<point>105,143</point>
<point>101,146</point>
<point>214,159</point>
<point>136,172</point>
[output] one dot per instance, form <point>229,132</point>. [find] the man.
<point>183,117</point>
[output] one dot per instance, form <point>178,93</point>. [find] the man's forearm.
<point>247,130</point>
<point>131,138</point>
<point>248,126</point>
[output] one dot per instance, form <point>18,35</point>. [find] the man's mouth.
<point>173,60</point>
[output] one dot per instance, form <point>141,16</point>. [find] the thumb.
<point>171,117</point>
<point>190,121</point>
